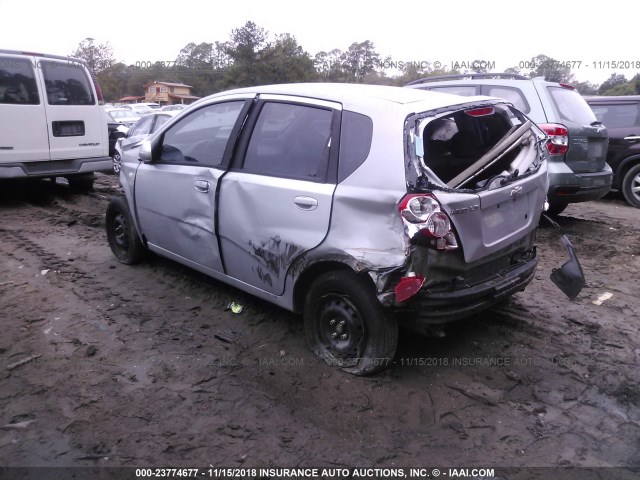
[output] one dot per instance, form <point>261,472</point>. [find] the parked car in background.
<point>360,206</point>
<point>125,116</point>
<point>139,108</point>
<point>174,107</point>
<point>51,121</point>
<point>621,116</point>
<point>578,170</point>
<point>130,143</point>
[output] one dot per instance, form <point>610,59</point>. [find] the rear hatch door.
<point>489,161</point>
<point>588,138</point>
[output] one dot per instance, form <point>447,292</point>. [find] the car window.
<point>617,116</point>
<point>355,142</point>
<point>17,82</point>
<point>290,141</point>
<point>466,91</point>
<point>67,83</point>
<point>571,106</point>
<point>142,126</point>
<point>512,95</point>
<point>201,137</point>
<point>116,114</point>
<point>160,120</point>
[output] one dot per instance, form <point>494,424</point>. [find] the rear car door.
<point>23,131</point>
<point>76,126</point>
<point>275,203</point>
<point>175,195</point>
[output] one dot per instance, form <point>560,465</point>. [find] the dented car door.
<point>275,203</point>
<point>175,195</point>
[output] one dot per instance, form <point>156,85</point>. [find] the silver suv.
<point>360,206</point>
<point>578,171</point>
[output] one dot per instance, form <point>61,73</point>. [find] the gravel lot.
<point>102,364</point>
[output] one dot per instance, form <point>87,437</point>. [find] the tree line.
<point>253,57</point>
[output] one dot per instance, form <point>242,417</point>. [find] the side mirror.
<point>146,152</point>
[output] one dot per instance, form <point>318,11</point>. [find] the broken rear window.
<point>467,148</point>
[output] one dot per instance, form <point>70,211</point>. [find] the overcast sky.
<point>497,31</point>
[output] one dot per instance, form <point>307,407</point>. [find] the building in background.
<point>167,93</point>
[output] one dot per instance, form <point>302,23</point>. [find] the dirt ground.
<point>110,365</point>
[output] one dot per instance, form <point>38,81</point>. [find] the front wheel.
<point>121,233</point>
<point>631,186</point>
<point>346,326</point>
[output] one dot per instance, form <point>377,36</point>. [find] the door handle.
<point>632,138</point>
<point>306,203</point>
<point>202,186</point>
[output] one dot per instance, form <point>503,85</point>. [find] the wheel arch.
<point>624,166</point>
<point>313,271</point>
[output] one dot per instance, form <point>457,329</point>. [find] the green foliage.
<point>251,56</point>
<point>99,57</point>
<point>586,88</point>
<point>615,82</point>
<point>551,69</point>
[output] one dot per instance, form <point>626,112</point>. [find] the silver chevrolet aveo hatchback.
<point>363,207</point>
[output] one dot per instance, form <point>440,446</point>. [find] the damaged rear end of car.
<point>476,184</point>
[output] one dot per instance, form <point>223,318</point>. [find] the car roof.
<point>471,80</point>
<point>351,94</point>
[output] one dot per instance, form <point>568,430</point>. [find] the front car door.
<point>175,195</point>
<point>275,203</point>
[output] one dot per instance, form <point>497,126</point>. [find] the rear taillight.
<point>408,286</point>
<point>480,112</point>
<point>422,215</point>
<point>558,142</point>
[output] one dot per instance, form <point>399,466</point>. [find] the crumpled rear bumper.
<point>436,307</point>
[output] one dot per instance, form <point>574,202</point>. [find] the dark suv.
<point>577,140</point>
<point>621,116</point>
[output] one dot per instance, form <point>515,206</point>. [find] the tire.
<point>117,163</point>
<point>631,186</point>
<point>121,233</point>
<point>556,209</point>
<point>81,183</point>
<point>346,326</point>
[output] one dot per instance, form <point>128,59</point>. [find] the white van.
<point>51,122</point>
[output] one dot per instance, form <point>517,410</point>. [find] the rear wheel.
<point>121,233</point>
<point>631,186</point>
<point>346,325</point>
<point>556,209</point>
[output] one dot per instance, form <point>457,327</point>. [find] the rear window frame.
<point>237,164</point>
<point>9,61</point>
<point>555,105</point>
<point>47,64</point>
